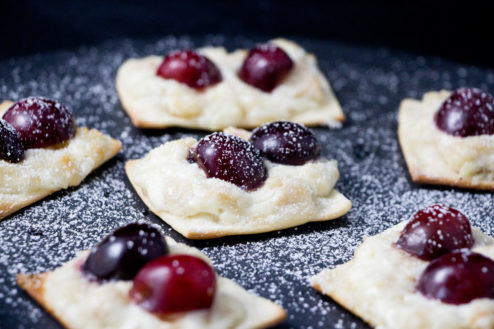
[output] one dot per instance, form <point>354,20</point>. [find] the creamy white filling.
<point>378,284</point>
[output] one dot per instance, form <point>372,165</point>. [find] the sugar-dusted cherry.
<point>190,68</point>
<point>466,112</point>
<point>231,159</point>
<point>265,67</point>
<point>174,283</point>
<point>458,277</point>
<point>11,148</point>
<point>41,122</point>
<point>286,142</point>
<point>124,252</point>
<point>435,231</point>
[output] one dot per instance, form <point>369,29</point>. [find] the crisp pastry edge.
<point>417,173</point>
<point>174,221</point>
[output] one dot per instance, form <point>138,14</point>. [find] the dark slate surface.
<point>369,83</point>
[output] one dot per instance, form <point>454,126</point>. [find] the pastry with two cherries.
<point>238,182</point>
<point>433,271</point>
<point>212,89</point>
<point>136,278</point>
<point>448,138</point>
<point>43,151</point>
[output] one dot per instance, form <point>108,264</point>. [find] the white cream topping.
<point>81,303</point>
<point>378,284</point>
<point>304,96</point>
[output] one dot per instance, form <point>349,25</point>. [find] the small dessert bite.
<point>212,89</point>
<point>433,271</point>
<point>42,151</point>
<point>225,185</point>
<point>455,145</point>
<point>150,282</point>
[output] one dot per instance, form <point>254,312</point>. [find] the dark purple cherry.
<point>11,148</point>
<point>435,231</point>
<point>458,277</point>
<point>41,122</point>
<point>175,283</point>
<point>286,142</point>
<point>190,68</point>
<point>124,252</point>
<point>466,112</point>
<point>265,67</point>
<point>231,159</point>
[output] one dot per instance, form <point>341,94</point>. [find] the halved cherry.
<point>231,159</point>
<point>458,278</point>
<point>265,67</point>
<point>435,231</point>
<point>174,283</point>
<point>467,112</point>
<point>124,252</point>
<point>286,142</point>
<point>41,122</point>
<point>190,68</point>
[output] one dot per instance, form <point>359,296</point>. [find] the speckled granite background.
<point>369,83</point>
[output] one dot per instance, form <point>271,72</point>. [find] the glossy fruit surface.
<point>435,231</point>
<point>286,142</point>
<point>466,112</point>
<point>190,68</point>
<point>11,148</point>
<point>231,159</point>
<point>458,277</point>
<point>41,122</point>
<point>174,283</point>
<point>124,252</point>
<point>265,67</point>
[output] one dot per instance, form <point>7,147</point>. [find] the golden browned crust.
<point>33,284</point>
<point>420,175</point>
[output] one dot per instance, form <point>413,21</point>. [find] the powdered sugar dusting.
<point>369,84</point>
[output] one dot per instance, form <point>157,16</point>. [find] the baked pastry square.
<point>47,170</point>
<point>381,284</point>
<point>434,156</point>
<point>77,302</point>
<point>198,207</point>
<point>302,96</point>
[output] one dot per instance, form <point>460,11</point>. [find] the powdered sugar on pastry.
<point>378,285</point>
<point>46,170</point>
<point>436,157</point>
<point>199,207</point>
<point>79,303</point>
<point>153,102</point>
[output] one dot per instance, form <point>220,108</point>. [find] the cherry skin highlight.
<point>11,148</point>
<point>124,252</point>
<point>41,122</point>
<point>286,142</point>
<point>175,283</point>
<point>458,278</point>
<point>265,67</point>
<point>466,112</point>
<point>230,158</point>
<point>435,231</point>
<point>190,68</point>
